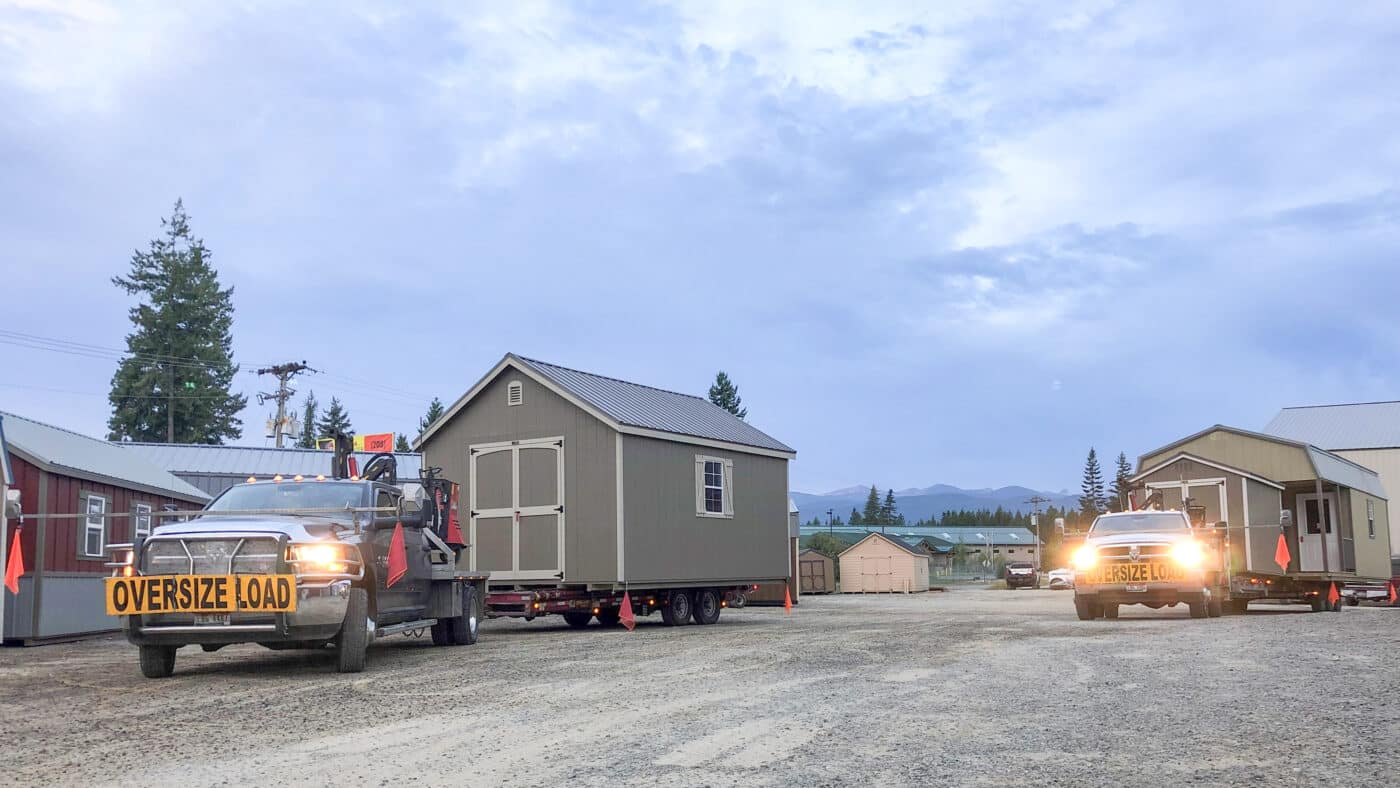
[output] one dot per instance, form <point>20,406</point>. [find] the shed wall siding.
<point>590,505</point>
<point>1265,504</point>
<point>1270,460</point>
<point>1372,555</point>
<point>666,541</point>
<point>1386,464</point>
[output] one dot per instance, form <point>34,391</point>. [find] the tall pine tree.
<point>726,395</point>
<point>1118,491</point>
<point>871,514</point>
<point>335,419</point>
<point>1091,499</point>
<point>889,511</point>
<point>175,383</point>
<point>401,444</point>
<point>307,439</point>
<point>856,518</point>
<point>435,411</point>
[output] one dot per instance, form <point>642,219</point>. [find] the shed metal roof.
<point>888,539</point>
<point>942,535</point>
<point>7,476</point>
<point>68,452</point>
<point>191,458</point>
<point>1362,425</point>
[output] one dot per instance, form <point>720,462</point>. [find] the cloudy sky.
<point>957,245</point>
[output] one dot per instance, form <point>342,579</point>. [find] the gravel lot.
<point>967,687</point>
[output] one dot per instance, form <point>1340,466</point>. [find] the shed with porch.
<point>1340,525</point>
<point>882,564</point>
<point>577,479</point>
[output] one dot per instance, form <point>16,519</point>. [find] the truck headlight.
<point>1188,554</point>
<point>1086,557</point>
<point>321,558</point>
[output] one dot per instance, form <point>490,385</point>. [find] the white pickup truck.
<point>1152,558</point>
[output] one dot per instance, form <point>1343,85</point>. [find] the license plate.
<point>202,594</point>
<point>1136,573</point>
<point>211,619</point>
<point>1135,589</point>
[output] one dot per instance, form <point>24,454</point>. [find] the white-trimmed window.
<point>714,487</point>
<point>1371,518</point>
<point>94,526</point>
<point>142,520</point>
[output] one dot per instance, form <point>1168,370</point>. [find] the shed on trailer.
<point>576,479</point>
<point>880,564</point>
<point>775,593</point>
<point>816,572</point>
<point>1340,527</point>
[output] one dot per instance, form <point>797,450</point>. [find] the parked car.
<point>1356,593</point>
<point>1022,574</point>
<point>1061,579</point>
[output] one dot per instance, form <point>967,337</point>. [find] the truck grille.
<point>1145,552</point>
<point>215,556</point>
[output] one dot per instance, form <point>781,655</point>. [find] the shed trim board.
<point>621,552</point>
<point>513,362</point>
<point>1218,466</point>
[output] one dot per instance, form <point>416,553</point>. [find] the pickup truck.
<point>297,564</point>
<point>1152,558</point>
<point>1022,574</point>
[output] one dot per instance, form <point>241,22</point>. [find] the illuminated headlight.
<point>322,558</point>
<point>1188,554</point>
<point>1086,557</point>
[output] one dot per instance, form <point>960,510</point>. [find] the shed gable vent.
<point>515,393</point>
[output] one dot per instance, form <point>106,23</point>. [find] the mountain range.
<point>922,503</point>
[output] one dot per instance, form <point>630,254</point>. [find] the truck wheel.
<point>353,640</point>
<point>1215,606</point>
<point>1353,601</point>
<point>1318,603</point>
<point>578,620</point>
<point>1088,611</point>
<point>677,610</point>
<point>442,633</point>
<point>609,618</point>
<point>157,662</point>
<point>1197,607</point>
<point>1110,610</point>
<point>464,627</point>
<point>706,606</point>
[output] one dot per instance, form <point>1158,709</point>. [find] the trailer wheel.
<point>157,662</point>
<point>464,628</point>
<point>1317,603</point>
<point>1087,611</point>
<point>707,606</point>
<point>1237,607</point>
<point>578,620</point>
<point>609,618</point>
<point>1197,607</point>
<point>677,610</point>
<point>442,633</point>
<point>1215,605</point>
<point>1110,610</point>
<point>1353,600</point>
<point>353,640</point>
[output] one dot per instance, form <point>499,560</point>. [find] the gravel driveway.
<point>967,687</point>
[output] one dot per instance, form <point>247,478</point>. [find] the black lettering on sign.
<point>284,593</point>
<point>138,593</point>
<point>186,593</point>
<point>206,591</point>
<point>269,594</point>
<point>255,597</point>
<point>221,593</point>
<point>238,599</point>
<point>121,596</point>
<point>167,593</point>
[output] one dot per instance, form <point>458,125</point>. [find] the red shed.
<point>62,472</point>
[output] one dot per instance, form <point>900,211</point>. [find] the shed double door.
<point>517,509</point>
<point>877,574</point>
<point>812,577</point>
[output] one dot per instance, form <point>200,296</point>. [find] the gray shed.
<point>577,479</point>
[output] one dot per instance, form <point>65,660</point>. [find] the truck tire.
<point>1197,607</point>
<point>578,620</point>
<point>1353,601</point>
<point>707,606</point>
<point>1087,611</point>
<point>442,633</point>
<point>1110,610</point>
<point>1318,603</point>
<point>677,610</point>
<point>157,662</point>
<point>464,628</point>
<point>353,640</point>
<point>1215,606</point>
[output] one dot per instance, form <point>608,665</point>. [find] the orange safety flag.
<point>1332,596</point>
<point>1132,502</point>
<point>398,557</point>
<point>354,467</point>
<point>454,526</point>
<point>14,567</point>
<point>625,614</point>
<point>787,599</point>
<point>1281,556</point>
<point>1392,596</point>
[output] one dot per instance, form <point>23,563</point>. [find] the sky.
<point>931,243</point>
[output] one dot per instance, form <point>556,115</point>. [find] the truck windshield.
<point>289,495</point>
<point>1140,521</point>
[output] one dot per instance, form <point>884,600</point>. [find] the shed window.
<point>515,393</point>
<point>714,487</point>
<point>142,520</point>
<point>94,526</point>
<point>1371,518</point>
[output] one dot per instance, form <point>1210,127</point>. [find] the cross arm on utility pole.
<point>284,372</point>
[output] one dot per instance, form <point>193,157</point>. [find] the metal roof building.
<point>214,469</point>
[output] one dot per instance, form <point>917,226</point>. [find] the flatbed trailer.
<point>677,606</point>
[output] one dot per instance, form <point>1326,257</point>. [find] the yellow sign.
<point>381,441</point>
<point>1155,572</point>
<point>128,596</point>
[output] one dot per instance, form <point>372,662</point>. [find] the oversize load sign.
<point>1155,572</point>
<point>128,596</point>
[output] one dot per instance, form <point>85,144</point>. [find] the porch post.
<point>1322,522</point>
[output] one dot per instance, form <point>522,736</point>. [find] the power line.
<point>95,352</point>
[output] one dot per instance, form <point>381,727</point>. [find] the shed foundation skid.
<point>578,607</point>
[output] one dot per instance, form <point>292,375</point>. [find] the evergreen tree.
<point>1118,491</point>
<point>307,439</point>
<point>335,419</point>
<point>871,514</point>
<point>888,510</point>
<point>726,395</point>
<point>174,384</point>
<point>401,444</point>
<point>435,411</point>
<point>856,518</point>
<point>1091,499</point>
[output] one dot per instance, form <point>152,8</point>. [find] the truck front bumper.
<point>319,614</point>
<point>1151,594</point>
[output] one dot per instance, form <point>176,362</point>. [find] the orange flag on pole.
<point>787,599</point>
<point>625,614</point>
<point>1281,556</point>
<point>1392,596</point>
<point>14,567</point>
<point>1332,596</point>
<point>398,557</point>
<point>454,526</point>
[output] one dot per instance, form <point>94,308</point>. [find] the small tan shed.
<point>878,564</point>
<point>816,573</point>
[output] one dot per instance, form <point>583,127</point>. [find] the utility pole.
<point>284,372</point>
<point>829,514</point>
<point>1035,501</point>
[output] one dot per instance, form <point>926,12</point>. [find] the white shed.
<point>879,564</point>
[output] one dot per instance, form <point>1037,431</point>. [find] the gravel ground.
<point>967,687</point>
